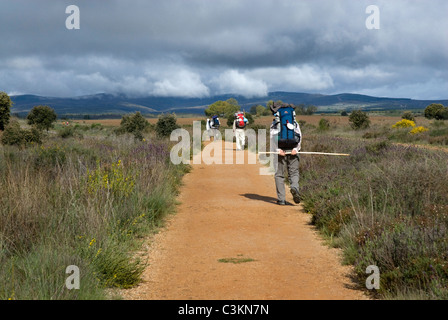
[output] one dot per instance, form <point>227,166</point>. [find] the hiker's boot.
<point>281,202</point>
<point>295,194</point>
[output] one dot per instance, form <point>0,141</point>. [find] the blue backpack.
<point>215,122</point>
<point>287,138</point>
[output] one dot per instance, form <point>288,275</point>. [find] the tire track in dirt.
<point>229,211</point>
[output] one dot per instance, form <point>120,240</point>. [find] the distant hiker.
<point>239,124</point>
<point>213,126</point>
<point>286,136</point>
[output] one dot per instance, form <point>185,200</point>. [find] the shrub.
<point>324,124</point>
<point>436,111</point>
<point>49,157</point>
<point>112,180</point>
<point>66,132</point>
<point>404,124</point>
<point>417,130</point>
<point>135,124</point>
<point>359,120</point>
<point>166,124</point>
<point>408,115</point>
<point>15,135</point>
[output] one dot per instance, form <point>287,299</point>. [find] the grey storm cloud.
<point>197,48</point>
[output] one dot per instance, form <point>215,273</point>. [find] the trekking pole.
<point>304,152</point>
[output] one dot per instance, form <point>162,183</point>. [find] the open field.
<point>313,119</point>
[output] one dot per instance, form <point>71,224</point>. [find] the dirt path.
<point>229,211</point>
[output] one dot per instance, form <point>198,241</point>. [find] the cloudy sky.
<point>198,48</point>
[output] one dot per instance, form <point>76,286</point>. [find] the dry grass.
<point>116,122</point>
<point>267,120</point>
<point>82,201</point>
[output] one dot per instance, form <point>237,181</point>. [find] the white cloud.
<point>232,81</point>
<point>23,63</point>
<point>294,78</point>
<point>183,83</point>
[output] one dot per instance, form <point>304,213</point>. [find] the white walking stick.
<point>304,152</point>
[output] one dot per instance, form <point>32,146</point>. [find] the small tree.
<point>223,108</point>
<point>5,110</point>
<point>42,117</point>
<point>166,124</point>
<point>134,124</point>
<point>359,120</point>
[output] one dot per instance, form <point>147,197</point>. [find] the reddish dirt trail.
<point>229,211</point>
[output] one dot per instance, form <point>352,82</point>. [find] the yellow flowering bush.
<point>111,179</point>
<point>419,129</point>
<point>404,124</point>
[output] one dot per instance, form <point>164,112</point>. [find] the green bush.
<point>166,124</point>
<point>66,132</point>
<point>324,124</point>
<point>15,135</point>
<point>359,120</point>
<point>135,124</point>
<point>408,115</point>
<point>436,111</point>
<point>50,157</point>
<point>42,117</point>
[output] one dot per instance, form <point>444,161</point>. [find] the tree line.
<point>227,109</point>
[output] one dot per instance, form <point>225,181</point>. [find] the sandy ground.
<point>229,212</point>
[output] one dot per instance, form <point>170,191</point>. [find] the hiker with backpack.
<point>239,124</point>
<point>212,126</point>
<point>286,139</point>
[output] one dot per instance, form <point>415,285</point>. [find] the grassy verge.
<point>386,205</point>
<point>85,200</point>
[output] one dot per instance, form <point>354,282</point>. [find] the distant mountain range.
<point>109,104</point>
